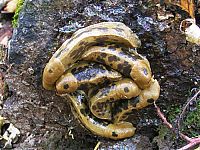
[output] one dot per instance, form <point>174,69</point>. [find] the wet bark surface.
<point>44,119</point>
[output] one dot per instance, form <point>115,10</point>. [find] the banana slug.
<point>79,43</point>
<point>85,75</point>
<point>145,98</point>
<point>97,126</point>
<point>70,72</point>
<point>130,65</point>
<point>100,103</point>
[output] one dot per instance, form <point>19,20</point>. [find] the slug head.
<point>67,83</point>
<point>149,95</point>
<point>141,74</point>
<point>53,70</point>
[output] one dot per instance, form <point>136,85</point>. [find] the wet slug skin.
<point>127,94</point>
<point>98,127</point>
<point>78,44</point>
<point>100,102</point>
<point>145,98</point>
<point>102,76</point>
<point>130,65</point>
<point>85,75</point>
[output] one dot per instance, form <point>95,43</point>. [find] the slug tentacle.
<point>80,42</point>
<point>99,127</point>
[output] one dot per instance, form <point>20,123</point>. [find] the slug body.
<point>100,61</point>
<point>118,58</point>
<point>85,75</point>
<point>145,98</point>
<point>100,103</point>
<point>99,127</point>
<point>78,44</point>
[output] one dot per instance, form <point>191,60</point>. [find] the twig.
<point>97,146</point>
<point>161,115</point>
<point>185,107</point>
<point>191,141</point>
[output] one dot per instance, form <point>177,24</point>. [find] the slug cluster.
<point>102,76</point>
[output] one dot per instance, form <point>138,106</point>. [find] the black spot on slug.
<point>124,49</point>
<point>84,86</point>
<point>82,43</point>
<point>83,112</point>
<point>100,60</point>
<point>127,69</point>
<point>145,71</point>
<point>114,134</point>
<point>73,71</point>
<point>119,67</point>
<point>50,71</point>
<point>102,39</point>
<point>101,44</point>
<point>126,90</point>
<point>94,107</point>
<point>112,58</point>
<point>124,68</point>
<point>66,86</point>
<point>112,48</point>
<point>150,100</point>
<point>133,102</point>
<point>112,99</point>
<point>103,55</point>
<point>99,105</point>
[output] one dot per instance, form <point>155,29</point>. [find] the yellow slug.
<point>85,75</point>
<point>102,76</point>
<point>79,43</point>
<point>100,103</point>
<point>130,65</point>
<point>145,98</point>
<point>99,127</point>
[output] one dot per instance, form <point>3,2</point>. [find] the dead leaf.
<point>11,6</point>
<point>3,3</point>
<point>186,5</point>
<point>5,34</point>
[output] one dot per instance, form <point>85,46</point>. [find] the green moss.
<point>191,122</point>
<point>163,131</point>
<point>16,16</point>
<point>173,113</point>
<point>190,125</point>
